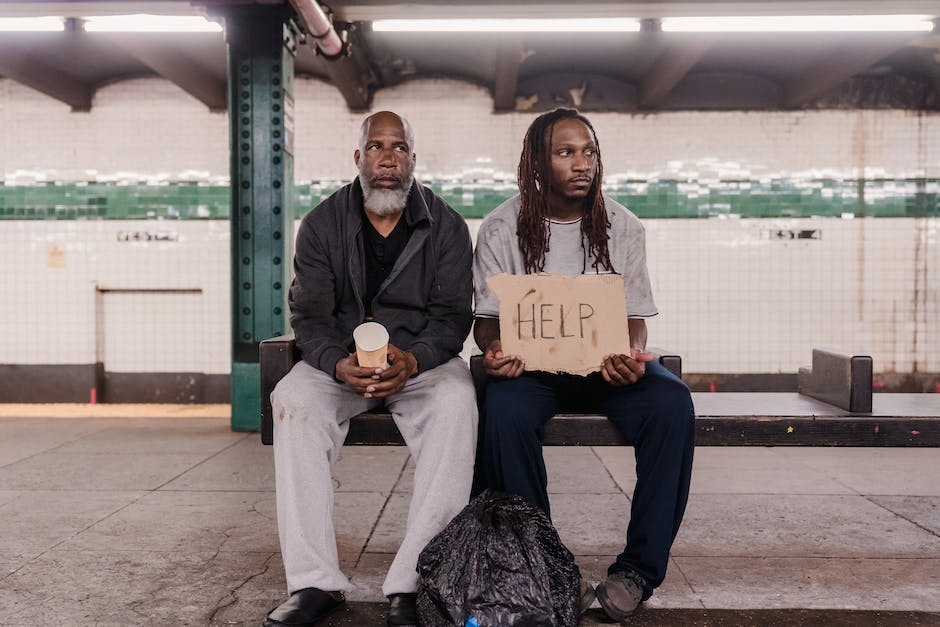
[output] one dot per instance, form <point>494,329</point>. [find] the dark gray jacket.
<point>424,303</point>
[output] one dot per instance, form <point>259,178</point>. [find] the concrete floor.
<point>158,521</point>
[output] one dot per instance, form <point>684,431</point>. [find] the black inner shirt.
<point>381,254</point>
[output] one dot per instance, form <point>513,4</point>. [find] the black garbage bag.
<point>501,561</point>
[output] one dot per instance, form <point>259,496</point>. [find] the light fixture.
<point>31,24</point>
<point>797,23</point>
<point>144,23</point>
<point>511,25</point>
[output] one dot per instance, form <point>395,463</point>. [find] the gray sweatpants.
<point>436,413</point>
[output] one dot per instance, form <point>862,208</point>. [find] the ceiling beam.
<point>22,67</point>
<point>352,75</point>
<point>587,92</point>
<point>723,91</point>
<point>351,79</point>
<point>670,68</point>
<point>177,67</point>
<point>838,66</point>
<point>509,55</point>
<point>929,60</point>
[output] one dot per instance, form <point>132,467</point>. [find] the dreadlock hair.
<point>534,178</point>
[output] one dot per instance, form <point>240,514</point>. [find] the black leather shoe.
<point>402,610</point>
<point>304,608</point>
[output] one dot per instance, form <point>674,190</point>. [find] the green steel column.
<point>261,44</point>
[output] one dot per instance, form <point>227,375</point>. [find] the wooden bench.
<point>834,407</point>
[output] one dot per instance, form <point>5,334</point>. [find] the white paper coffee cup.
<point>371,345</point>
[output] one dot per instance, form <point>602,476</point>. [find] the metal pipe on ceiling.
<point>319,26</point>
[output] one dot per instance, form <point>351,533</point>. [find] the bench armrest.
<point>670,360</point>
<point>278,355</point>
<point>837,379</point>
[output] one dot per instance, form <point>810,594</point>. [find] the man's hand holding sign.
<point>560,324</point>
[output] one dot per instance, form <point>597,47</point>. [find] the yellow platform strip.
<point>114,410</point>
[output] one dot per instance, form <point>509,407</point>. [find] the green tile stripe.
<point>658,199</point>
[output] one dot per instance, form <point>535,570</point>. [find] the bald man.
<point>383,248</point>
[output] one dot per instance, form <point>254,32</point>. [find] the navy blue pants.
<point>655,414</point>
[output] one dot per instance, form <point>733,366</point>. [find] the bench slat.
<point>746,430</point>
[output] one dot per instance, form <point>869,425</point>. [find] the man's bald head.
<point>386,162</point>
<point>386,116</point>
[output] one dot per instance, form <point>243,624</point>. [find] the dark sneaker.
<point>621,594</point>
<point>402,610</point>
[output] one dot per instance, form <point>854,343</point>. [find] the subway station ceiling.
<point>644,71</point>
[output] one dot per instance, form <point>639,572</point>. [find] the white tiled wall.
<point>53,313</point>
<point>151,129</point>
<point>144,129</point>
<point>456,134</point>
<point>733,299</point>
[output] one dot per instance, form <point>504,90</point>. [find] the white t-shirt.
<point>497,251</point>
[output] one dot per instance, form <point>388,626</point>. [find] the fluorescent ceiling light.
<point>31,24</point>
<point>142,23</point>
<point>510,25</point>
<point>798,23</point>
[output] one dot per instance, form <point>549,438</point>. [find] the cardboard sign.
<point>562,324</point>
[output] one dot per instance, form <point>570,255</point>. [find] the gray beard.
<point>386,202</point>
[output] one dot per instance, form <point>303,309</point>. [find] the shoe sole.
<point>587,599</point>
<point>614,612</point>
<point>269,622</point>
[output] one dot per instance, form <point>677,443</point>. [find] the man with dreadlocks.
<point>561,223</point>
